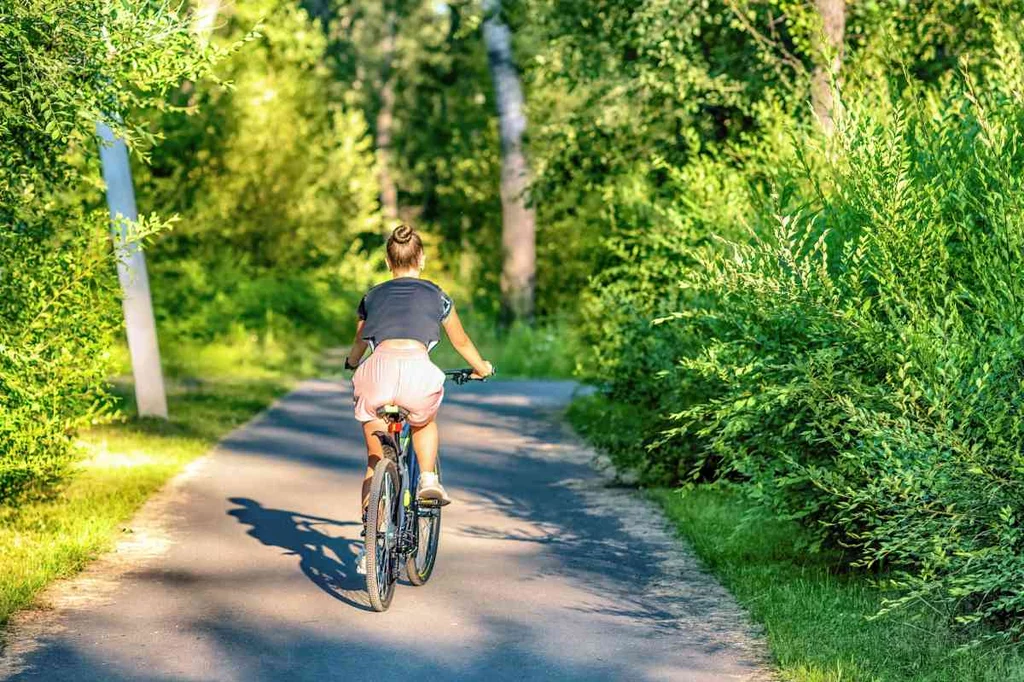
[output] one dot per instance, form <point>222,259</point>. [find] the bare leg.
<point>425,442</point>
<point>373,454</point>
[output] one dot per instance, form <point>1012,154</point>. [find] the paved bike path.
<point>544,573</point>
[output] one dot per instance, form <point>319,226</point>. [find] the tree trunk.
<point>131,271</point>
<point>829,61</point>
<point>385,123</point>
<point>518,222</point>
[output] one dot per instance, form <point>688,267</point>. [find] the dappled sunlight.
<point>765,251</point>
<point>260,567</point>
<point>99,456</point>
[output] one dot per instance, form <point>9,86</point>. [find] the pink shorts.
<point>403,377</point>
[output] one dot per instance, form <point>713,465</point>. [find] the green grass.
<point>547,349</point>
<point>818,618</point>
<point>819,621</point>
<point>123,463</point>
<point>238,354</point>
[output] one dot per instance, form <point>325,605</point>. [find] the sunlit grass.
<point>820,623</point>
<point>240,354</point>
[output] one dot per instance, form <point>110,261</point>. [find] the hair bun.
<point>402,234</point>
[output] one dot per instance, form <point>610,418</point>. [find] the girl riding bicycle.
<point>400,321</point>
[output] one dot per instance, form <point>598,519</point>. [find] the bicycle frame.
<point>409,508</point>
<point>408,472</point>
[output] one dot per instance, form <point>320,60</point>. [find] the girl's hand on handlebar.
<point>477,374</point>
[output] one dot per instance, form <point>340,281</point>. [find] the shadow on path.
<point>329,562</point>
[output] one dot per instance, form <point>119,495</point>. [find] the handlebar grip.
<point>461,376</point>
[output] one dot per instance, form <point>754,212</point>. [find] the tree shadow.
<point>329,562</point>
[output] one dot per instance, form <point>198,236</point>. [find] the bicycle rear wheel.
<point>420,564</point>
<point>382,536</point>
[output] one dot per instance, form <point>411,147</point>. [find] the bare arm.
<point>358,345</point>
<point>464,345</point>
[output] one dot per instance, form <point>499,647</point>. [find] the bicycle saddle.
<point>392,414</point>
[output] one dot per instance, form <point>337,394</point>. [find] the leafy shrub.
<point>275,184</point>
<point>866,354</point>
<point>56,321</point>
<point>650,248</point>
<point>63,68</point>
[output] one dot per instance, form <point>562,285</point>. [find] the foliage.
<point>446,145</point>
<point>845,339</point>
<point>62,69</point>
<point>866,354</point>
<point>274,181</point>
<point>621,92</point>
<point>443,153</point>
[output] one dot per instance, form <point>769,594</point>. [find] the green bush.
<point>624,349</point>
<point>848,335</point>
<point>62,69</point>
<point>56,321</point>
<point>866,354</point>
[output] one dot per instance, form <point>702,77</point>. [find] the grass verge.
<point>818,618</point>
<point>123,463</point>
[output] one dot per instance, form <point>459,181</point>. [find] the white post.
<point>131,271</point>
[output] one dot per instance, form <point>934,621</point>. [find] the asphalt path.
<point>545,572</point>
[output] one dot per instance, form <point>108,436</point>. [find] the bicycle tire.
<point>419,573</point>
<point>381,564</point>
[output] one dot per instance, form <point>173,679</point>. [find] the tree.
<point>385,120</point>
<point>518,236</point>
<point>828,60</point>
<point>140,324</point>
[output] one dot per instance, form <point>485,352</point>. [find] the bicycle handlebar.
<point>461,376</point>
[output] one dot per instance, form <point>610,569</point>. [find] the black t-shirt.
<point>404,308</point>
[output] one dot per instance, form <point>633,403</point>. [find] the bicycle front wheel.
<point>382,536</point>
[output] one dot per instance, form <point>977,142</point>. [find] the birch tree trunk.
<point>385,123</point>
<point>131,271</point>
<point>829,61</point>
<point>518,221</point>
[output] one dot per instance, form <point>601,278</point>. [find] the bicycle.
<point>399,528</point>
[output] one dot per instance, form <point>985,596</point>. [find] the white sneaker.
<point>430,488</point>
<point>361,561</point>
